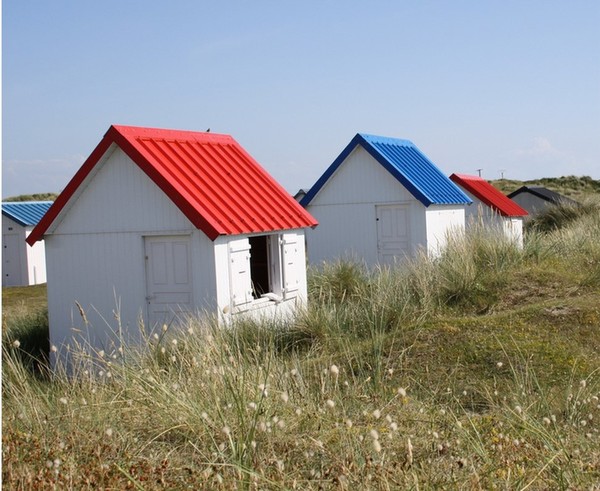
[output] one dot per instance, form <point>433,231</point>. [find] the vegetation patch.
<point>478,369</point>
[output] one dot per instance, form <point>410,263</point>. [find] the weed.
<point>477,369</point>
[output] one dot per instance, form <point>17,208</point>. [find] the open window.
<point>264,265</point>
<point>261,272</point>
<point>264,268</point>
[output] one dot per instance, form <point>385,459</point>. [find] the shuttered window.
<point>263,268</point>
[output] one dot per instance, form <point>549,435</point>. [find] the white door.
<point>11,260</point>
<point>393,235</point>
<point>168,279</point>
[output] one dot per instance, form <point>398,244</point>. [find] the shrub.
<point>561,215</point>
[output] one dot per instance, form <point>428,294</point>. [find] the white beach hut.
<point>382,200</point>
<point>22,265</point>
<point>160,223</point>
<point>491,208</point>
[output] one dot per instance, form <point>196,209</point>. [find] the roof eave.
<point>15,219</point>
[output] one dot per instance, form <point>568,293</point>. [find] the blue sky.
<point>505,86</point>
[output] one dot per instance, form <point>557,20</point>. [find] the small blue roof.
<point>25,213</point>
<point>407,164</point>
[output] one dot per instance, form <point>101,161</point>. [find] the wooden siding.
<point>346,210</point>
<point>96,255</point>
<point>22,265</point>
<point>121,198</point>
<point>360,179</point>
<point>441,222</point>
<point>36,261</point>
<point>479,214</point>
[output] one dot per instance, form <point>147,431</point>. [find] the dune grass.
<point>475,370</point>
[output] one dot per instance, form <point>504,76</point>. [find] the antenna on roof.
<point>479,171</point>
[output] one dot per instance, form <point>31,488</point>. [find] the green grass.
<point>476,370</point>
<point>574,187</point>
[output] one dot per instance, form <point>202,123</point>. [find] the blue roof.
<point>25,213</point>
<point>407,164</point>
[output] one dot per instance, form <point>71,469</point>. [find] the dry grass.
<point>478,374</point>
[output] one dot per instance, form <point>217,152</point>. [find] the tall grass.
<point>366,388</point>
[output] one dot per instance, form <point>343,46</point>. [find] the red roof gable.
<point>215,183</point>
<point>489,195</point>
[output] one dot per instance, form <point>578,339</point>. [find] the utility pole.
<point>479,172</point>
<point>502,171</point>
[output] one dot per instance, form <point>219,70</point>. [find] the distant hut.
<point>537,198</point>
<point>491,208</point>
<point>382,200</point>
<point>22,265</point>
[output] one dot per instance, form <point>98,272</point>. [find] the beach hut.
<point>537,198</point>
<point>382,200</point>
<point>22,265</point>
<point>158,224</point>
<point>490,208</point>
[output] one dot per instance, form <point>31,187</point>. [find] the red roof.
<point>489,195</point>
<point>215,183</point>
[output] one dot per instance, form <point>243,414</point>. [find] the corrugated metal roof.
<point>25,213</point>
<point>545,194</point>
<point>489,195</point>
<point>407,164</point>
<point>216,184</point>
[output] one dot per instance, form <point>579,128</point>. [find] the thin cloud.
<point>540,147</point>
<point>37,175</point>
<point>542,159</point>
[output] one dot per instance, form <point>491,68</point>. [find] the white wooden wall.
<point>27,264</point>
<point>480,214</point>
<point>36,261</point>
<point>96,255</point>
<point>442,222</point>
<point>513,229</point>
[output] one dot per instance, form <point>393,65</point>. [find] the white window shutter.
<point>239,273</point>
<point>291,262</point>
